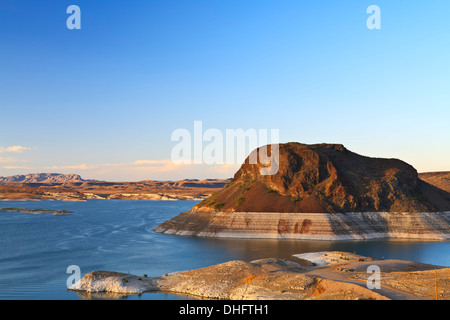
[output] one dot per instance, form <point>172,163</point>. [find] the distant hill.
<point>47,178</point>
<point>437,179</point>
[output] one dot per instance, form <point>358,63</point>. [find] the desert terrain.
<point>45,186</point>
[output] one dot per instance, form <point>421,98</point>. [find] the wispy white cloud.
<point>137,163</point>
<point>12,160</point>
<point>7,160</point>
<point>152,162</point>
<point>158,164</point>
<point>16,167</point>
<point>14,149</point>
<point>148,169</point>
<point>74,167</point>
<point>224,169</point>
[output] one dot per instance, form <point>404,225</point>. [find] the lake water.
<point>117,235</point>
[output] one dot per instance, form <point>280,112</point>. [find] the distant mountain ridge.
<point>60,178</point>
<point>71,187</point>
<point>50,178</point>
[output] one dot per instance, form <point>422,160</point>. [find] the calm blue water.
<point>117,235</point>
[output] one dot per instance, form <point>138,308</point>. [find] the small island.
<point>37,211</point>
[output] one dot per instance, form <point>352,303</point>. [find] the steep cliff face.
<point>328,178</point>
<point>321,192</point>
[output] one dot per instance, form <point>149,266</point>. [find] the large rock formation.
<point>321,191</point>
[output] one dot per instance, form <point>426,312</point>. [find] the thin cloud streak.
<point>14,149</point>
<point>148,170</point>
<point>16,167</point>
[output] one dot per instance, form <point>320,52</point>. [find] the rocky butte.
<point>321,191</point>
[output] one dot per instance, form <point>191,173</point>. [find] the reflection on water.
<point>117,235</point>
<point>433,252</point>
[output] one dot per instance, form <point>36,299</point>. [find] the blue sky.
<point>103,101</point>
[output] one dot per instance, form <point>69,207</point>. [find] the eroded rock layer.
<point>320,226</point>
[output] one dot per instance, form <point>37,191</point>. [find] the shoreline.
<point>84,200</point>
<point>37,211</point>
<point>326,275</point>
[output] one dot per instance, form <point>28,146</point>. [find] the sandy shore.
<point>310,276</point>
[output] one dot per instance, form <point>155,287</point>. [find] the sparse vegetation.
<point>218,206</point>
<point>295,199</point>
<point>244,188</point>
<point>240,201</point>
<point>204,202</point>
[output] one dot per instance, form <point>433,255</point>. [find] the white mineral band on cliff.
<point>310,226</point>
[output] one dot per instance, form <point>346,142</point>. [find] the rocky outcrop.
<point>264,279</point>
<point>321,192</point>
<point>328,275</point>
